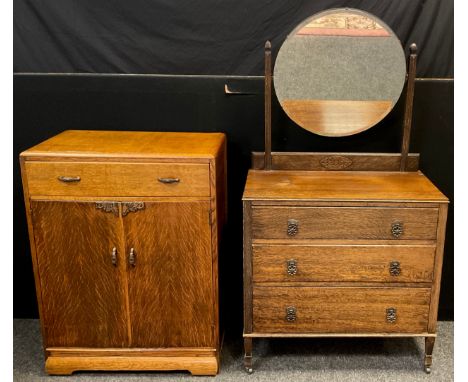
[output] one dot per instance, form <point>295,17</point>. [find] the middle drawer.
<point>328,263</point>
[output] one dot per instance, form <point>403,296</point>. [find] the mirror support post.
<point>408,107</point>
<point>267,106</point>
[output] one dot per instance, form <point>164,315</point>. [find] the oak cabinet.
<point>342,254</point>
<point>124,246</point>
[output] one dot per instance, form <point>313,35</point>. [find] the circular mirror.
<point>339,72</point>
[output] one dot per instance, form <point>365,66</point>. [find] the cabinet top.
<point>341,186</point>
<point>128,144</point>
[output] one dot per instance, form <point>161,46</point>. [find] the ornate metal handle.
<point>291,313</point>
<point>69,179</point>
<point>397,229</point>
<point>291,267</point>
<point>169,180</point>
<point>394,268</point>
<point>131,257</point>
<point>114,256</point>
<point>293,227</point>
<point>391,315</point>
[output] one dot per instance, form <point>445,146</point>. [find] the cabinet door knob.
<point>114,256</point>
<point>69,179</point>
<point>169,180</point>
<point>397,229</point>
<point>394,268</point>
<point>131,257</point>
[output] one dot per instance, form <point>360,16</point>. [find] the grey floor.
<point>292,360</point>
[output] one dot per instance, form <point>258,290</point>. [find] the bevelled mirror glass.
<point>339,72</point>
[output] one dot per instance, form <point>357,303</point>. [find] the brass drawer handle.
<point>169,180</point>
<point>69,179</point>
<point>291,267</point>
<point>391,315</point>
<point>291,314</point>
<point>131,257</point>
<point>397,229</point>
<point>395,268</point>
<point>114,256</point>
<point>293,227</point>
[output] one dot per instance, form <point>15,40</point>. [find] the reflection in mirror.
<point>340,72</point>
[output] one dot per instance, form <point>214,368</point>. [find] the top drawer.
<point>117,179</point>
<point>344,223</point>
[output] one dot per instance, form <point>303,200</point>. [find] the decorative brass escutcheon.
<point>394,268</point>
<point>132,207</point>
<point>108,207</point>
<point>293,227</point>
<point>391,315</point>
<point>290,314</point>
<point>114,256</point>
<point>291,267</point>
<point>397,229</point>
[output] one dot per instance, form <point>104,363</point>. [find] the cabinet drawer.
<point>340,310</point>
<point>344,223</point>
<point>117,179</point>
<point>392,263</point>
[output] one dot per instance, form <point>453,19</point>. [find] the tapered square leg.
<point>248,355</point>
<point>428,348</point>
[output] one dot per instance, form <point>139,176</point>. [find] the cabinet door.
<point>82,290</point>
<point>170,284</point>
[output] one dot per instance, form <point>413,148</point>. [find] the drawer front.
<point>344,223</point>
<point>340,310</point>
<point>365,263</point>
<point>117,179</point>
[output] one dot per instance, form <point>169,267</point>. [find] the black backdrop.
<point>200,37</point>
<point>205,38</point>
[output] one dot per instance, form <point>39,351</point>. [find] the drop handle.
<point>69,179</point>
<point>169,180</point>
<point>131,257</point>
<point>114,256</point>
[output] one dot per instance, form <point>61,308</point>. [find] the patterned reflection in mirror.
<point>339,72</point>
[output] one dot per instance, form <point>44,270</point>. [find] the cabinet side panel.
<point>247,267</point>
<point>82,294</point>
<point>438,268</point>
<point>170,283</point>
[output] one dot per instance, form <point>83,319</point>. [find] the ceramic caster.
<point>249,370</point>
<point>427,369</point>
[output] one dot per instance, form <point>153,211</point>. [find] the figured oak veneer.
<point>125,248</point>
<point>334,253</point>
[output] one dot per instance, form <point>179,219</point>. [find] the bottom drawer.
<point>340,310</point>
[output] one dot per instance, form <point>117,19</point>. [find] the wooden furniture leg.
<point>429,346</point>
<point>248,355</point>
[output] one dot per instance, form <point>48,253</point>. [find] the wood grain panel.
<point>336,118</point>
<point>170,286</point>
<point>342,263</point>
<point>344,222</point>
<point>128,144</point>
<point>82,293</point>
<point>341,186</point>
<point>297,161</point>
<point>343,310</point>
<point>117,179</point>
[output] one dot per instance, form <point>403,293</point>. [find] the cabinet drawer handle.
<point>394,268</point>
<point>291,267</point>
<point>397,229</point>
<point>169,180</point>
<point>114,256</point>
<point>131,257</point>
<point>293,227</point>
<point>391,315</point>
<point>291,313</point>
<point>69,179</point>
